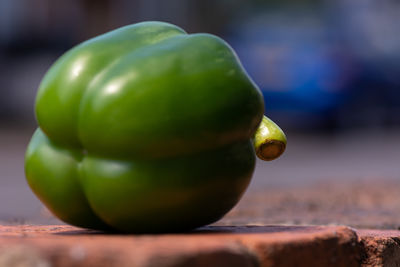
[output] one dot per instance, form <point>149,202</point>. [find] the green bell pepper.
<point>147,129</point>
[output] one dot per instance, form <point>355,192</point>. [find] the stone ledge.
<point>61,245</point>
<point>380,247</point>
<point>209,246</point>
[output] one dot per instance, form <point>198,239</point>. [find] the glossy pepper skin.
<point>145,129</point>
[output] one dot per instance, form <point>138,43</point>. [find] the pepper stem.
<point>269,140</point>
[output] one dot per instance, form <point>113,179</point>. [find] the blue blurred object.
<point>335,67</point>
<point>298,70</point>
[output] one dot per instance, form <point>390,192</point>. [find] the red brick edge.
<point>210,246</point>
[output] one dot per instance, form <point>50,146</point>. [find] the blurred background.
<point>329,72</point>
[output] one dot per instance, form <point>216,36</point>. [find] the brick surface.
<point>208,246</point>
<point>380,247</point>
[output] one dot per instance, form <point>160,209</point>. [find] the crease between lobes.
<point>58,185</point>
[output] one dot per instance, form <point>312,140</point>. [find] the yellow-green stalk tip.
<point>269,140</point>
